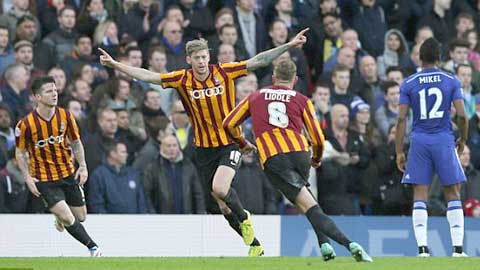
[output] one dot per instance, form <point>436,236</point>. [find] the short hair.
<point>387,85</point>
<point>39,82</point>
<point>228,25</point>
<point>331,14</point>
<point>131,49</point>
<point>223,11</point>
<point>112,146</point>
<point>80,36</point>
<point>321,84</point>
<point>172,7</point>
<point>395,68</point>
<point>11,70</point>
<point>4,27</point>
<point>103,110</point>
<point>65,8</point>
<point>160,123</point>
<point>457,68</point>
<point>430,51</point>
<point>458,42</point>
<point>196,45</point>
<point>463,15</point>
<point>285,70</point>
<point>25,18</point>
<point>154,49</point>
<point>270,27</point>
<point>339,68</point>
<point>78,69</point>
<point>149,90</point>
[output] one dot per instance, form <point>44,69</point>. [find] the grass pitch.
<point>234,263</point>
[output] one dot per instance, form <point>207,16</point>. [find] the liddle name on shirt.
<point>430,79</point>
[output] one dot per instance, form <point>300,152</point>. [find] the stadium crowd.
<point>137,136</point>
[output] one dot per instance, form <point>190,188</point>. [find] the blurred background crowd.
<point>137,135</point>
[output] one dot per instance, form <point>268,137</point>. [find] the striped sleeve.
<point>172,79</point>
<point>21,134</point>
<point>72,129</point>
<point>314,130</point>
<point>234,119</point>
<point>235,70</point>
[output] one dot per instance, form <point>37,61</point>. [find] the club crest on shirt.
<point>17,132</point>
<point>216,81</point>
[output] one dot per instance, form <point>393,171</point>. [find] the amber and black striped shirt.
<point>207,102</point>
<point>50,154</point>
<point>278,116</point>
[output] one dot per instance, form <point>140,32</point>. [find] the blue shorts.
<point>431,153</point>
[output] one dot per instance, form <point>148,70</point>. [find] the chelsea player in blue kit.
<point>430,93</point>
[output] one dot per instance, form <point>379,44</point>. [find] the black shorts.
<point>208,160</point>
<point>289,172</point>
<point>66,189</point>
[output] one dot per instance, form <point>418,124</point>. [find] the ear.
<point>189,60</point>
<point>274,79</point>
<point>295,80</point>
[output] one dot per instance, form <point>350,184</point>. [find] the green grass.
<point>234,263</point>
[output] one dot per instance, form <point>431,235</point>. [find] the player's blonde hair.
<point>196,45</point>
<point>285,70</point>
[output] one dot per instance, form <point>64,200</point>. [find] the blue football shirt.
<point>430,94</point>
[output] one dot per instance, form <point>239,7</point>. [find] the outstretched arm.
<point>265,58</point>
<point>138,73</point>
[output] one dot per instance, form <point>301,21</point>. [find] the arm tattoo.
<point>22,159</point>
<point>265,58</point>
<point>79,153</point>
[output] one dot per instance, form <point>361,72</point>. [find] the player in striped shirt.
<point>208,95</point>
<point>278,116</point>
<point>45,139</point>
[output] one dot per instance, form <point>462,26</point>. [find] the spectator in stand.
<point>7,136</point>
<point>458,52</point>
<point>423,33</point>
<point>62,40</point>
<point>226,53</point>
<point>474,52</point>
<point>15,93</point>
<point>82,53</point>
<point>470,190</point>
<point>172,40</point>
<point>396,52</point>
<point>339,177</point>
<point>284,11</point>
<point>251,27</point>
<point>371,90</point>
<point>7,56</point>
<point>61,83</point>
<point>157,62</point>
<point>95,146</point>
<point>463,23</point>
<point>92,13</point>
<point>464,74</point>
<point>321,102</point>
<point>198,19</point>
<point>106,37</point>
<point>116,188</point>
<point>181,125</point>
<point>27,29</point>
<point>125,135</point>
<point>14,194</point>
<point>228,34</point>
<point>370,23</point>
<point>254,188</point>
<point>24,55</point>
<point>11,17</point>
<point>152,108</point>
<point>341,80</point>
<point>223,17</point>
<point>75,108</point>
<point>172,184</point>
<point>386,115</point>
<point>349,39</point>
<point>395,74</point>
<point>440,20</point>
<point>81,91</point>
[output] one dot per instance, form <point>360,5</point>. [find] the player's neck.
<point>45,112</point>
<point>428,66</point>
<point>201,77</point>
<point>284,84</point>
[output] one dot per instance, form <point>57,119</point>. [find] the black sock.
<point>324,225</point>
<point>458,249</point>
<point>78,232</point>
<point>235,224</point>
<point>233,202</point>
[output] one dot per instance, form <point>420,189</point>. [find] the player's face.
<point>48,95</point>
<point>395,76</point>
<point>459,54</point>
<point>393,95</point>
<point>199,61</point>
<point>170,147</point>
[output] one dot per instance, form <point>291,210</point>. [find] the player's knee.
<point>82,217</point>
<point>219,191</point>
<point>67,219</point>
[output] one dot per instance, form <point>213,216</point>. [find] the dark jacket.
<point>112,192</point>
<point>160,189</point>
<point>474,141</point>
<point>371,25</point>
<point>18,103</point>
<point>13,190</point>
<point>60,43</point>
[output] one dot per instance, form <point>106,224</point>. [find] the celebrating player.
<point>430,93</point>
<point>278,115</point>
<point>208,95</point>
<point>45,139</point>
